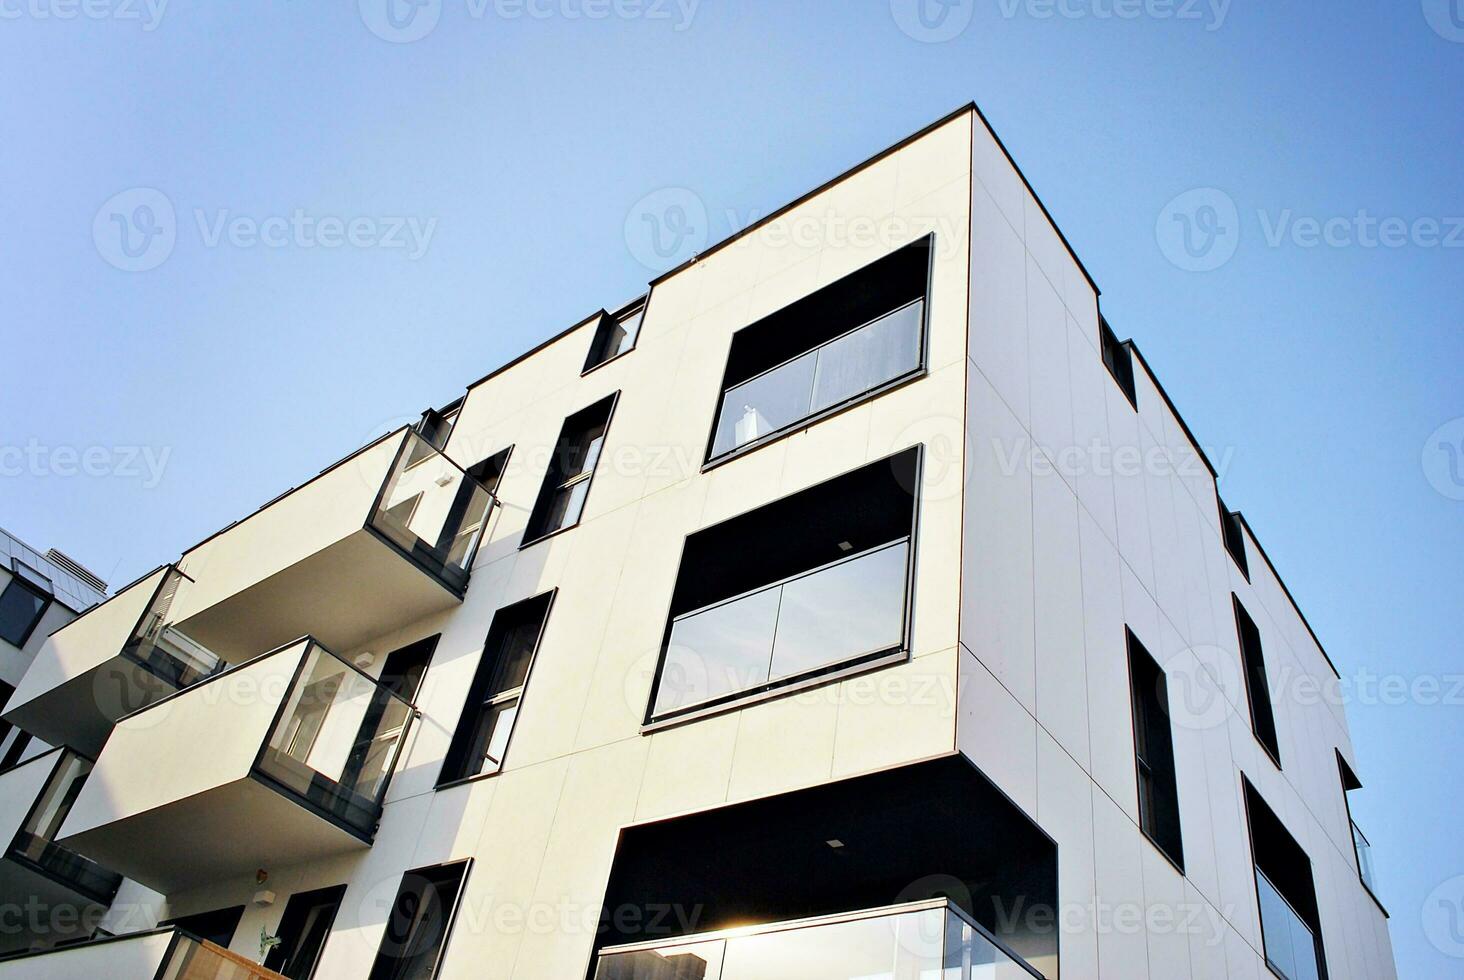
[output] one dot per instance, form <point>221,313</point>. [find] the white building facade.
<point>853,605</point>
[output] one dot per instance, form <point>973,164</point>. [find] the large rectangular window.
<point>792,592</point>
<point>1154,753</point>
<point>418,924</point>
<point>838,346</point>
<point>1257,687</point>
<point>1290,922</point>
<point>23,602</point>
<point>480,743</point>
<point>571,469</point>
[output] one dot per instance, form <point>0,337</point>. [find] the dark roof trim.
<point>1294,604</point>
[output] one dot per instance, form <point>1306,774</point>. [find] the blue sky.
<point>443,204</point>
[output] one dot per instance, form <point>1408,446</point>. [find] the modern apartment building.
<point>853,605</point>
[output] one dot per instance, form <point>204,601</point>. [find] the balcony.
<point>35,798</point>
<point>282,759</point>
<point>926,939</point>
<point>380,540</point>
<point>165,954</point>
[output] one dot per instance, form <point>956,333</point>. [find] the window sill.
<point>609,360</point>
<point>838,672</point>
<point>466,780</point>
<point>807,423</point>
<point>545,537</point>
<point>1176,865</point>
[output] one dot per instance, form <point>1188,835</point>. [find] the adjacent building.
<point>854,604</point>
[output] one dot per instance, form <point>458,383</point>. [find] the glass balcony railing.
<point>336,739</point>
<point>843,368</point>
<point>35,842</point>
<point>905,943</point>
<point>166,652</point>
<point>432,511</point>
<point>1291,947</point>
<point>1363,848</point>
<point>841,612</point>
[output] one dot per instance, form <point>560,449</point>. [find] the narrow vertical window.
<point>418,924</point>
<point>303,931</point>
<point>1258,689</point>
<point>1234,536</point>
<point>1154,753</point>
<point>571,469</point>
<point>615,334</point>
<point>1119,360</point>
<point>490,471</point>
<point>480,743</point>
<point>1361,847</point>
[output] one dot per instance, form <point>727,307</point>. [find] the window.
<point>404,669</point>
<point>1119,360</point>
<point>481,741</point>
<point>217,926</point>
<point>1361,847</point>
<point>1234,535</point>
<point>22,603</point>
<point>435,426</point>
<point>571,469</point>
<point>615,334</point>
<point>842,344</point>
<point>490,471</point>
<point>1258,689</point>
<point>303,931</point>
<point>1154,753</point>
<point>418,923</point>
<point>1290,925</point>
<point>787,595</point>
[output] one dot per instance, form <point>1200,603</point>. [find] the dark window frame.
<point>24,584</point>
<point>1232,534</point>
<point>487,475</point>
<point>1248,792</point>
<point>1163,768</point>
<point>532,533</point>
<point>596,358</point>
<point>1118,358</point>
<point>771,690</point>
<point>1257,682</point>
<point>712,459</point>
<point>275,959</point>
<point>380,964</point>
<point>478,700</point>
<point>1351,783</point>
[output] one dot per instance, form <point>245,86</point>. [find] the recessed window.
<point>22,603</point>
<point>1257,687</point>
<point>303,931</point>
<point>834,348</point>
<point>1290,924</point>
<point>1154,753</point>
<point>216,926</point>
<point>418,924</point>
<point>1234,535</point>
<point>806,587</point>
<point>615,334</point>
<point>480,743</point>
<point>404,669</point>
<point>490,471</point>
<point>435,426</point>
<point>571,469</point>
<point>1119,360</point>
